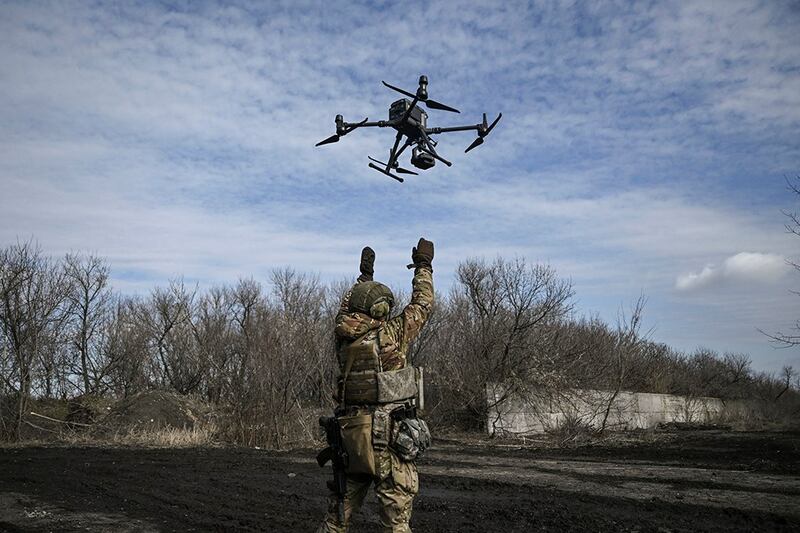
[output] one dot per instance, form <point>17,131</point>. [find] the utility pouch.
<point>397,385</point>
<point>357,441</point>
<point>410,438</point>
<point>381,426</point>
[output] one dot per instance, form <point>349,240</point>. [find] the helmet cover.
<point>372,298</point>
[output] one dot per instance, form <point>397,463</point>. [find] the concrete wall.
<point>629,410</point>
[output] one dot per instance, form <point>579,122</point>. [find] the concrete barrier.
<point>538,413</point>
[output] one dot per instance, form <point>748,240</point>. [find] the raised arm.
<point>350,324</point>
<point>419,308</point>
<point>405,327</point>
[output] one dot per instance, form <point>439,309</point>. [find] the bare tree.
<point>167,318</point>
<point>502,317</point>
<point>302,343</point>
<point>33,291</point>
<point>248,305</point>
<point>267,359</point>
<point>787,374</point>
<point>213,332</point>
<point>792,338</point>
<point>126,345</point>
<point>628,343</point>
<point>90,298</point>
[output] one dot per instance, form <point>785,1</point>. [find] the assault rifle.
<point>337,455</point>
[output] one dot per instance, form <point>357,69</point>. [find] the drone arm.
<point>483,129</point>
<point>475,127</point>
<point>343,128</point>
<point>351,126</point>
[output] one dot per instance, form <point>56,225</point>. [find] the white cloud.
<point>744,267</point>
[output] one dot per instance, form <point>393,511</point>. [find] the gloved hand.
<point>367,265</point>
<point>422,254</point>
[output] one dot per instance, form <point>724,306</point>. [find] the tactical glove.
<point>367,265</point>
<point>422,254</point>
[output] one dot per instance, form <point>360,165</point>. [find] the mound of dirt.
<point>43,420</point>
<point>153,410</point>
<point>87,409</point>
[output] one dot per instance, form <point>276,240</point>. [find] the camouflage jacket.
<point>396,333</point>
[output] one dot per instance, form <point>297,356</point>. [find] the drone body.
<point>411,122</point>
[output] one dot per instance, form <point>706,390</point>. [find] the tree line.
<point>263,353</point>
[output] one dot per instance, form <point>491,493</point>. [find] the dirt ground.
<point>681,481</point>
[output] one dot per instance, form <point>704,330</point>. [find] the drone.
<point>411,122</point>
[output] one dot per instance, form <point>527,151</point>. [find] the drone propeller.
<point>396,168</point>
<point>483,131</point>
<point>431,104</point>
<point>477,142</point>
<point>341,130</point>
<point>332,139</point>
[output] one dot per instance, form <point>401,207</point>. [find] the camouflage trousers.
<point>395,494</point>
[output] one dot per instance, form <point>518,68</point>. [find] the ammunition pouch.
<point>357,441</point>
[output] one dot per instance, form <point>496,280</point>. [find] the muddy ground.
<point>681,481</point>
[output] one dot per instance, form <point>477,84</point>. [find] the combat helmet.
<point>372,298</point>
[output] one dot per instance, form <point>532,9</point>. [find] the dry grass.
<point>572,431</point>
<point>168,437</point>
<point>24,443</point>
<point>751,416</point>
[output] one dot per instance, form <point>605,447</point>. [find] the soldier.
<point>376,424</point>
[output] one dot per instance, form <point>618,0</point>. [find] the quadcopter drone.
<point>410,121</point>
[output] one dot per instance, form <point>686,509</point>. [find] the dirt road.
<point>687,481</point>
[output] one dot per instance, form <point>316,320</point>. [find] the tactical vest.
<point>362,379</point>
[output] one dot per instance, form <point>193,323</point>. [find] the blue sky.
<point>643,146</point>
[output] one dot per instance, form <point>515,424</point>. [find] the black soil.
<point>692,481</point>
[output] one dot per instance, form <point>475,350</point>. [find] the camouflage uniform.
<point>396,482</point>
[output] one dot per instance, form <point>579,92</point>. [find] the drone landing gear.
<point>382,171</point>
<point>394,153</point>
<point>394,167</point>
